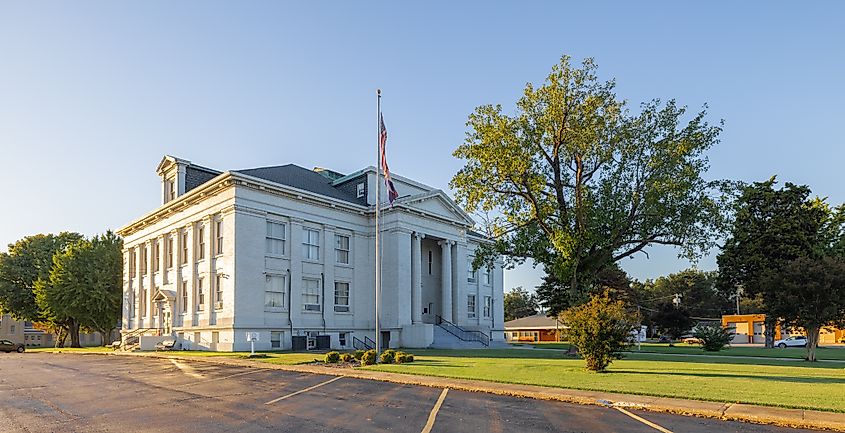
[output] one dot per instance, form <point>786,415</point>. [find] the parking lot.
<point>44,392</point>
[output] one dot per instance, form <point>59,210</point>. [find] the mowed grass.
<point>822,353</point>
<point>792,384</point>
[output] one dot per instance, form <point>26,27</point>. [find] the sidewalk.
<point>798,418</point>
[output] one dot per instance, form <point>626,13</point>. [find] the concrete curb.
<point>796,418</point>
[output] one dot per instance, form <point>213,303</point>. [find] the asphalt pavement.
<point>42,392</point>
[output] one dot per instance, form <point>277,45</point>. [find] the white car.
<point>796,341</point>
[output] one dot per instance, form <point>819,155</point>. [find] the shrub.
<point>388,356</point>
<point>358,354</point>
<point>368,357</point>
<point>346,357</point>
<point>401,357</point>
<point>600,329</point>
<point>713,337</point>
<point>332,357</point>
<point>409,357</point>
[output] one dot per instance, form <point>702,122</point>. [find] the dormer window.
<point>171,190</point>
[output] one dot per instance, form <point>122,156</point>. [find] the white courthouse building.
<point>289,253</point>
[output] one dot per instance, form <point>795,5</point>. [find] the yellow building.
<point>750,328</point>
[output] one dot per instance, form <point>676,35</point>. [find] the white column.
<point>416,277</point>
<point>446,279</point>
<point>150,283</point>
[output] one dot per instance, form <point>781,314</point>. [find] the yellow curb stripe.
<point>643,420</point>
<point>304,390</point>
<point>433,415</point>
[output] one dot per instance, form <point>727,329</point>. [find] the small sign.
<point>251,336</point>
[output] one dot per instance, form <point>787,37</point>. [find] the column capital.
<point>446,242</point>
<point>419,235</point>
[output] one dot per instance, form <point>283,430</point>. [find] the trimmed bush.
<point>713,337</point>
<point>368,357</point>
<point>388,356</point>
<point>404,358</point>
<point>600,329</point>
<point>332,357</point>
<point>346,357</point>
<point>358,354</point>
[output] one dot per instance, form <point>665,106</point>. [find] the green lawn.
<point>822,353</point>
<point>765,382</point>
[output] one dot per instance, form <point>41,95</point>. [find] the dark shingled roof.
<point>304,179</point>
<point>196,175</point>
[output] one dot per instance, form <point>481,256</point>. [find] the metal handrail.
<point>369,342</point>
<point>359,344</point>
<point>461,333</point>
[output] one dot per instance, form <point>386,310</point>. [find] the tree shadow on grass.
<point>785,379</point>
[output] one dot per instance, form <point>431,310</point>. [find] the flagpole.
<point>378,201</point>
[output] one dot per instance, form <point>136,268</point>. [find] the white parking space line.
<point>244,373</point>
<point>433,415</point>
<point>304,390</point>
<point>186,369</point>
<point>643,420</point>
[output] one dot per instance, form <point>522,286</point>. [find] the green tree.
<point>672,321</point>
<point>600,329</point>
<point>577,183</point>
<point>815,289</point>
<point>771,228</point>
<point>519,303</point>
<point>84,286</point>
<point>713,337</point>
<point>554,295</point>
<point>26,261</point>
<point>697,290</point>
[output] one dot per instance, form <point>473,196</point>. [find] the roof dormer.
<point>172,172</point>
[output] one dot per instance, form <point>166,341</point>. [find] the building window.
<point>341,297</point>
<point>171,189</point>
<point>274,292</point>
<point>200,243</point>
<point>143,260</point>
<point>341,339</point>
<point>275,339</point>
<point>487,276</point>
<point>430,260</point>
<point>219,231</point>
<point>218,294</point>
<point>143,306</point>
<point>11,329</point>
<point>471,306</point>
<point>200,295</point>
<point>170,252</point>
<point>342,249</point>
<point>184,296</point>
<point>360,190</point>
<point>488,306</point>
<point>310,244</point>
<point>156,256</point>
<point>275,238</point>
<point>311,295</point>
<point>470,272</point>
<point>184,258</point>
<point>132,263</point>
<point>131,307</point>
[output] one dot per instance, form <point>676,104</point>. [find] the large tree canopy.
<point>772,228</point>
<point>84,286</point>
<point>519,303</point>
<point>26,261</point>
<point>576,182</point>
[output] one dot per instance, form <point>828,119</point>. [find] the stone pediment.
<point>437,203</point>
<point>164,295</point>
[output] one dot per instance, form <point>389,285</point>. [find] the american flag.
<point>382,142</point>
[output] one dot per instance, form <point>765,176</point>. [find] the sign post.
<point>252,337</point>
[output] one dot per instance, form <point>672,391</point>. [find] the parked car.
<point>795,341</point>
<point>664,339</point>
<point>7,346</point>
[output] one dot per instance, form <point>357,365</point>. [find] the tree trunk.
<point>812,342</point>
<point>73,330</point>
<point>61,336</point>
<point>770,324</point>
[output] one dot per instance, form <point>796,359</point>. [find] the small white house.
<point>288,253</point>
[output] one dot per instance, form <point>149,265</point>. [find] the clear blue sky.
<point>92,94</point>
